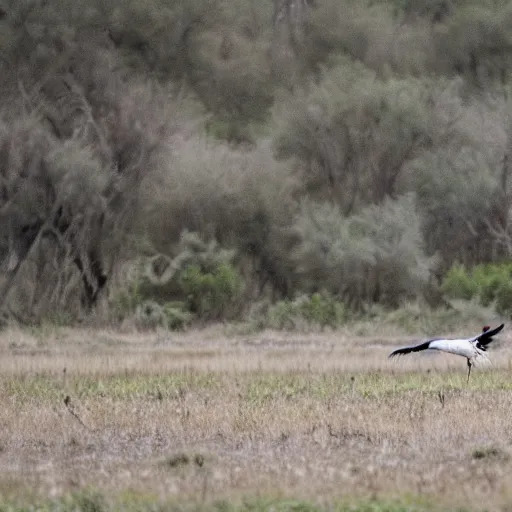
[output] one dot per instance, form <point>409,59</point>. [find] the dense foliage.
<point>490,284</point>
<point>172,161</point>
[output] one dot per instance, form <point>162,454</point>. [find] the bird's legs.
<point>469,370</point>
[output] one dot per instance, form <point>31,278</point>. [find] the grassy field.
<point>99,420</point>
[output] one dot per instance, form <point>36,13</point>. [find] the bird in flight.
<point>473,349</point>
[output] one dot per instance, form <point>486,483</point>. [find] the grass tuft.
<point>489,452</point>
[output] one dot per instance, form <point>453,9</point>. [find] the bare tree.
<point>70,178</point>
<point>288,36</point>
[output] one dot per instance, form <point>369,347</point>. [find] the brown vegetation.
<point>200,417</point>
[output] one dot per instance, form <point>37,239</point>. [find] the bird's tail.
<point>481,360</point>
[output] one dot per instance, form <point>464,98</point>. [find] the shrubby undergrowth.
<point>489,284</point>
<point>317,311</point>
<point>199,283</point>
<point>373,256</point>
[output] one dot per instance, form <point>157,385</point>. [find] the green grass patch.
<point>92,501</point>
<point>489,453</point>
<point>255,388</point>
<point>117,387</point>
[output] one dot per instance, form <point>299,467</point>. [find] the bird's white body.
<point>462,347</point>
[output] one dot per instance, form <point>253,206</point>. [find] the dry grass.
<point>201,417</point>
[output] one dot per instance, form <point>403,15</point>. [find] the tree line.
<point>198,159</point>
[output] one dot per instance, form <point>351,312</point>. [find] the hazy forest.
<point>171,162</point>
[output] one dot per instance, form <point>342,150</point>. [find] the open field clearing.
<point>101,420</point>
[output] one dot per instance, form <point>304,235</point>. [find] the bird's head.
<point>486,328</point>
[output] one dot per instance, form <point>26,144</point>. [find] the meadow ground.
<point>103,420</point>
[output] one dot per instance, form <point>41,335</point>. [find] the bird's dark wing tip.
<point>497,330</point>
<point>400,351</point>
<point>407,350</point>
<point>487,335</point>
<point>397,352</point>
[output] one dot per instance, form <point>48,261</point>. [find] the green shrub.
<point>151,315</point>
<point>504,299</point>
<point>315,311</point>
<point>199,282</point>
<point>323,310</point>
<point>210,293</point>
<point>489,279</point>
<point>176,316</point>
<point>490,283</point>
<point>281,316</point>
<point>458,284</point>
<point>488,287</point>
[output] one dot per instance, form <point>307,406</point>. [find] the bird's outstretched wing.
<point>413,348</point>
<point>481,340</point>
<point>486,337</point>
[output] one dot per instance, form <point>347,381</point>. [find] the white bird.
<point>473,349</point>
